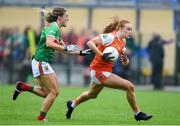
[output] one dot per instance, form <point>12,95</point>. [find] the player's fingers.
<point>88,50</point>
<point>111,57</point>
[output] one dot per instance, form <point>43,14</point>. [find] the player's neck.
<point>119,35</point>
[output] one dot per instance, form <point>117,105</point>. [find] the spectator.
<point>72,37</point>
<point>83,38</point>
<point>156,56</point>
<point>2,45</point>
<point>12,47</point>
<point>25,70</point>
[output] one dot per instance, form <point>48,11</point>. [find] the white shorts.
<point>40,68</point>
<point>99,77</point>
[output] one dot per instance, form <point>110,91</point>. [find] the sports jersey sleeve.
<point>51,31</point>
<point>107,39</point>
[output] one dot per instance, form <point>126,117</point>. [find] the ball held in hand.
<point>114,53</point>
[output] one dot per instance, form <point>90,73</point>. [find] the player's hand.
<point>71,48</point>
<point>124,59</point>
<point>85,52</point>
<point>107,57</point>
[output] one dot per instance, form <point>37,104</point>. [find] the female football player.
<point>50,41</point>
<point>101,68</point>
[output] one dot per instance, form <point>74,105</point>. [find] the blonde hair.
<point>115,25</point>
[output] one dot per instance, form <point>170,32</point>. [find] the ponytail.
<point>111,27</point>
<point>115,25</point>
<point>50,18</point>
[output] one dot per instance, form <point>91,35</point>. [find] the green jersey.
<point>44,53</point>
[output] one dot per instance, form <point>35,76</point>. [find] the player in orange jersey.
<point>101,68</point>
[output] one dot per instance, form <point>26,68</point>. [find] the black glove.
<point>123,57</point>
<point>85,52</point>
<point>107,57</point>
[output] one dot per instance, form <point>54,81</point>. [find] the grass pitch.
<point>110,108</point>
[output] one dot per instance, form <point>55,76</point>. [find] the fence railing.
<point>137,4</point>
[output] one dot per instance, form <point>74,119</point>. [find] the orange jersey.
<point>98,63</point>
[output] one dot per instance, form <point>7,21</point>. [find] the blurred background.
<point>154,50</point>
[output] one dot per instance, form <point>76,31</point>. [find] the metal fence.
<point>136,4</point>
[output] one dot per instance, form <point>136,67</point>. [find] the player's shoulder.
<point>52,26</point>
<point>51,29</point>
<point>123,42</point>
<point>107,38</point>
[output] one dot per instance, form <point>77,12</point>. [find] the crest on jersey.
<point>100,77</point>
<point>105,36</point>
<point>46,68</point>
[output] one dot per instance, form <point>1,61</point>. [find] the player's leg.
<point>22,87</point>
<point>38,69</point>
<point>51,88</point>
<point>117,82</point>
<point>90,94</point>
<point>40,90</point>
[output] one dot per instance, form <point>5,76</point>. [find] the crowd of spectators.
<point>15,54</point>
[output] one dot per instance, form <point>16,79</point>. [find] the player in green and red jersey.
<point>50,41</point>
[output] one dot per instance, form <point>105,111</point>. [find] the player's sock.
<point>42,116</point>
<point>21,86</point>
<point>136,113</point>
<point>26,87</point>
<point>73,104</point>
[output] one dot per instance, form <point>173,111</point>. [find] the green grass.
<point>110,108</point>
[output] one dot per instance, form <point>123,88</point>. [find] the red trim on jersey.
<point>40,68</point>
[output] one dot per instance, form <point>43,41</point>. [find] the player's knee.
<point>51,96</point>
<point>55,93</point>
<point>130,86</point>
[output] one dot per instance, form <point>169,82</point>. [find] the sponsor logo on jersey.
<point>51,32</point>
<point>46,68</point>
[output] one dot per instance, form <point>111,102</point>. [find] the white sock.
<point>73,105</point>
<point>136,113</point>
